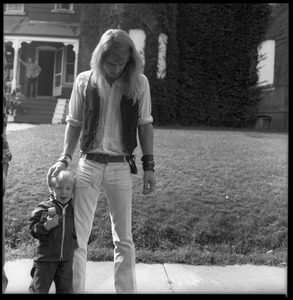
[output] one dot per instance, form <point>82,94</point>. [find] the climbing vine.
<point>211,58</point>
<point>218,56</point>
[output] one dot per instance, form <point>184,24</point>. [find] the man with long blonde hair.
<point>109,104</point>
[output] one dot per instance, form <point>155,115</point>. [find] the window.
<point>69,65</point>
<point>163,39</point>
<point>266,53</point>
<point>63,7</point>
<point>138,37</point>
<point>14,8</point>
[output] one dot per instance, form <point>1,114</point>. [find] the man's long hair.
<point>117,43</point>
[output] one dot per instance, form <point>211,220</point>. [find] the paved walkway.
<point>168,279</point>
<point>18,126</point>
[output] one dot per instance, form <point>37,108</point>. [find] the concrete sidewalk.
<point>168,279</point>
<point>18,126</point>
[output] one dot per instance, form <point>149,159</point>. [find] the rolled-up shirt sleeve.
<point>144,103</point>
<point>75,108</point>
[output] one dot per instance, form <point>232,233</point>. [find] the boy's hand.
<point>51,222</point>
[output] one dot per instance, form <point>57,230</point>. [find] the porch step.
<point>37,110</point>
<point>32,119</point>
<point>37,113</point>
<point>43,111</point>
<point>40,102</point>
<point>39,106</point>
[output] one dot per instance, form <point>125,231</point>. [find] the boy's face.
<point>63,192</point>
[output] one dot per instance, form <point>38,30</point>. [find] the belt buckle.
<point>103,158</point>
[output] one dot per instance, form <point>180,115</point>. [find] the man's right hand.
<point>54,170</point>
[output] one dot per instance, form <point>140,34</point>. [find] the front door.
<point>45,79</point>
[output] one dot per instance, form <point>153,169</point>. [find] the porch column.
<point>16,45</point>
<point>76,51</point>
<point>15,79</point>
<point>20,41</point>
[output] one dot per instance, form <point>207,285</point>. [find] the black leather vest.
<point>91,110</point>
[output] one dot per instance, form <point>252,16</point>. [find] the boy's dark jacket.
<point>52,245</point>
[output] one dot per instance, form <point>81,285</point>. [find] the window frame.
<point>162,55</point>
<point>14,12</point>
<point>270,57</point>
<point>66,63</point>
<point>63,10</point>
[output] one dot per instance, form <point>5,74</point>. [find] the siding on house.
<point>19,25</point>
<point>274,99</point>
<point>43,12</point>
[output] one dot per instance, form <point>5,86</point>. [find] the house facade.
<point>49,33</point>
<point>273,106</point>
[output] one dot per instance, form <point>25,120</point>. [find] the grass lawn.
<point>221,197</point>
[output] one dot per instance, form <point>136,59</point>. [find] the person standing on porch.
<point>31,76</point>
<point>109,104</point>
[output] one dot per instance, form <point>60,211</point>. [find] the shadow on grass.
<point>215,129</point>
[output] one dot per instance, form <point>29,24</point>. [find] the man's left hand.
<point>149,182</point>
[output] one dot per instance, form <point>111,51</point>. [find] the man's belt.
<point>105,158</point>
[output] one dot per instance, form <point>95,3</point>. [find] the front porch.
<point>42,110</point>
<point>54,46</point>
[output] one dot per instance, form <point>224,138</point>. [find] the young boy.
<point>52,224</point>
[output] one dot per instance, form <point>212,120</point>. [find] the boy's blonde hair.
<point>119,44</point>
<point>63,176</point>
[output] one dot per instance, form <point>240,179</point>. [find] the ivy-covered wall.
<point>218,56</point>
<point>211,56</point>
<point>153,19</point>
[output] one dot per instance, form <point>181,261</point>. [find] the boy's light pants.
<point>117,181</point>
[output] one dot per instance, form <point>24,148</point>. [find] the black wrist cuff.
<point>67,155</point>
<point>148,163</point>
<point>66,159</point>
